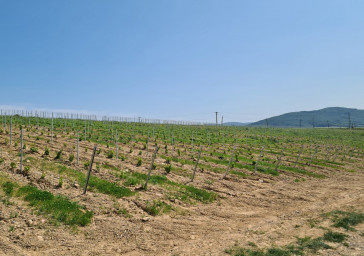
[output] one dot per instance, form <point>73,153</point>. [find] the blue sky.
<point>182,60</point>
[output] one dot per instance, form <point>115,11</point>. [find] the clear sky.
<point>182,59</point>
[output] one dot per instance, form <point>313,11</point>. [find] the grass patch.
<point>8,188</point>
<point>106,187</point>
<point>59,208</point>
<point>182,192</point>
<point>236,251</point>
<point>304,172</point>
<point>197,194</point>
<point>95,183</point>
<point>334,237</point>
<point>157,207</point>
<point>311,244</point>
<point>106,165</point>
<point>346,220</point>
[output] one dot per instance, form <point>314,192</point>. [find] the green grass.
<point>58,208</point>
<point>311,244</point>
<point>106,165</point>
<point>95,183</point>
<point>8,188</point>
<point>181,191</point>
<point>236,251</point>
<point>106,187</point>
<point>334,237</point>
<point>346,220</point>
<point>157,207</point>
<point>300,171</point>
<point>302,246</point>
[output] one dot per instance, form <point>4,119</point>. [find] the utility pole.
<point>216,117</point>
<point>313,122</point>
<point>222,120</point>
<point>266,121</point>
<point>300,123</point>
<point>328,124</point>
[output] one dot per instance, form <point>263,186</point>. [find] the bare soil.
<point>268,211</point>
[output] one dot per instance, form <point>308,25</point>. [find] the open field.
<point>256,191</point>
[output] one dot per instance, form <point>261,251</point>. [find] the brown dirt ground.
<point>269,211</point>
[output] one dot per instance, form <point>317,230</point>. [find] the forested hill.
<point>332,117</point>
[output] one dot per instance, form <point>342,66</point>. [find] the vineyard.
<point>176,189</point>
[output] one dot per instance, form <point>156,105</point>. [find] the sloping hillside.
<point>332,117</point>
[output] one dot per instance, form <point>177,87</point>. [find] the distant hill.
<point>236,124</point>
<point>332,117</point>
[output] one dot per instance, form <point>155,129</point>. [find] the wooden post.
<point>198,159</point>
<point>231,159</point>
<point>192,142</point>
<point>11,129</point>
<point>116,144</point>
<point>336,153</point>
<point>313,155</point>
<point>78,142</point>
<point>298,157</point>
<point>172,144</point>
<point>327,153</point>
<point>257,163</point>
<point>209,142</point>
<point>85,130</point>
<point>52,129</point>
<point>280,157</point>
<point>345,152</point>
<point>148,143</point>
<point>351,153</point>
<point>134,130</point>
<point>89,171</point>
<point>21,149</point>
<point>151,167</point>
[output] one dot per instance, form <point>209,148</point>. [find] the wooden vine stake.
<point>78,147</point>
<point>280,158</point>
<point>116,144</point>
<point>148,143</point>
<point>229,164</point>
<point>89,170</point>
<point>21,149</point>
<point>313,155</point>
<point>327,153</point>
<point>52,129</point>
<point>336,153</point>
<point>198,159</point>
<point>151,167</point>
<point>11,129</point>
<point>260,157</point>
<point>298,157</point>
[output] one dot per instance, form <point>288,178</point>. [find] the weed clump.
<point>71,157</point>
<point>346,220</point>
<point>168,168</point>
<point>110,154</point>
<point>156,207</point>
<point>58,155</point>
